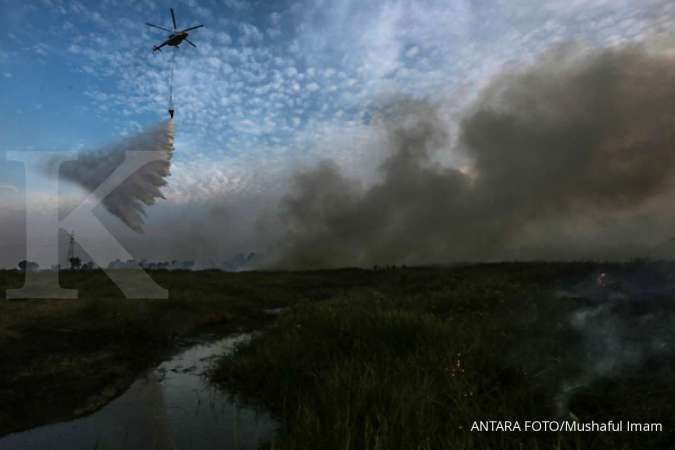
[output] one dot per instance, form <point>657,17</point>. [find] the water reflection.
<point>172,407</point>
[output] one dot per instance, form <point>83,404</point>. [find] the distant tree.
<point>28,266</point>
<point>75,263</point>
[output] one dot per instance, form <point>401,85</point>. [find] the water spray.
<point>139,189</point>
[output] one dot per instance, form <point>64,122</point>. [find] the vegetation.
<point>412,360</point>
<point>370,359</point>
<point>63,358</point>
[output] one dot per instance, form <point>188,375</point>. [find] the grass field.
<point>387,359</point>
<point>412,362</point>
<point>62,358</point>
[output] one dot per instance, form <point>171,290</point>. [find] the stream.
<point>170,407</point>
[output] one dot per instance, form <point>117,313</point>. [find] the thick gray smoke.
<point>624,324</point>
<point>141,188</point>
<point>581,133</point>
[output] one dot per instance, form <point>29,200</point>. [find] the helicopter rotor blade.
<point>190,42</point>
<point>193,28</point>
<point>157,26</point>
<point>173,18</point>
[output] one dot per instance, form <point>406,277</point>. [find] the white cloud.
<point>250,34</point>
<point>275,18</point>
<point>238,88</point>
<point>237,4</point>
<point>223,38</point>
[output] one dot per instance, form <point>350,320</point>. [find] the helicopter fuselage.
<point>175,39</point>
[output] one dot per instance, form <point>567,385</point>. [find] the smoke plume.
<point>127,202</point>
<point>624,324</point>
<point>582,133</point>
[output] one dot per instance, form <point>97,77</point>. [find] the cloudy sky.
<point>271,84</point>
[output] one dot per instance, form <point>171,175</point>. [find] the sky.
<point>272,85</point>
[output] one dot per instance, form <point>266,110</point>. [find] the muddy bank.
<point>50,375</point>
<point>171,406</point>
<point>66,358</point>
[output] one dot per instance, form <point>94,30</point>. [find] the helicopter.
<point>176,37</point>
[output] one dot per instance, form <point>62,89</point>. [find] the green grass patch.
<point>411,364</point>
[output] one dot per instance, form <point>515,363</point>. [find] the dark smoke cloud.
<point>142,188</point>
<point>581,133</point>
